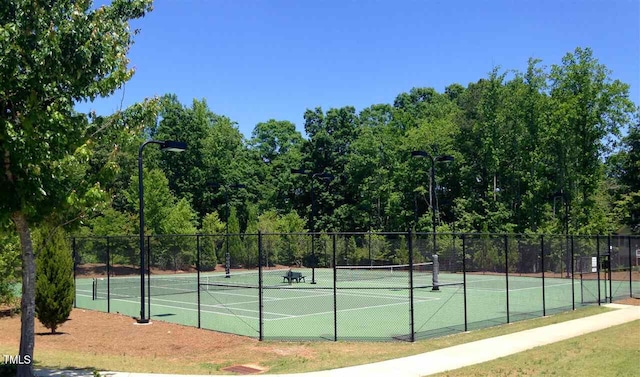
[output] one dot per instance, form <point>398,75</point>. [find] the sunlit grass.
<point>611,352</point>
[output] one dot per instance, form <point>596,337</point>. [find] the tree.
<point>54,279</point>
<point>587,110</point>
<point>294,245</point>
<point>54,54</point>
<point>212,226</point>
<point>277,145</point>
<point>251,238</point>
<point>624,170</point>
<point>236,248</point>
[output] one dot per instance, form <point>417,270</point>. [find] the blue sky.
<point>253,60</point>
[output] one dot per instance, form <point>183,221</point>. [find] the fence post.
<point>75,266</point>
<point>108,276</point>
<point>598,266</point>
<point>370,259</point>
<point>198,273</point>
<point>573,286</point>
<point>630,270</point>
<point>609,263</point>
<point>506,270</point>
<point>411,312</point>
<point>544,302</point>
<point>464,280</point>
<point>335,292</point>
<point>260,306</point>
<point>149,277</point>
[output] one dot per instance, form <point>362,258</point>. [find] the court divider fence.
<point>353,286</point>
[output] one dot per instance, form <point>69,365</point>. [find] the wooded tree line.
<point>540,151</point>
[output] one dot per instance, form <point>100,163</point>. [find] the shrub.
<point>8,370</point>
<point>54,281</point>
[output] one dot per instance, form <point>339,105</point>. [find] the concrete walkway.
<point>447,358</point>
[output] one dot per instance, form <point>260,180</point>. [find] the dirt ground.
<point>113,335</point>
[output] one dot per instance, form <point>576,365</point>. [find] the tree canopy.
<point>524,144</point>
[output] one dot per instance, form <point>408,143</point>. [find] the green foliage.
<point>8,370</point>
<point>9,263</point>
<point>251,238</point>
<point>54,278</point>
<point>210,246</point>
<point>53,55</point>
<point>237,251</point>
<point>524,144</point>
<point>271,243</point>
<point>112,223</point>
<point>43,138</point>
<point>624,172</point>
<point>294,246</point>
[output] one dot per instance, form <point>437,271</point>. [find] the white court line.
<point>345,310</point>
<point>280,315</point>
<point>205,311</point>
<point>498,290</point>
<point>360,293</point>
<point>215,312</point>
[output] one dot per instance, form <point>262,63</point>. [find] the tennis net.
<point>397,271</point>
<point>162,285</point>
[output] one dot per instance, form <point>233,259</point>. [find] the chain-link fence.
<point>351,286</point>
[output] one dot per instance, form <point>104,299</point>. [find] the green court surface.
<point>362,308</point>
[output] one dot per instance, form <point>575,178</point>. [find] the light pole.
<point>227,256</point>
<point>432,194</point>
<point>170,146</point>
<point>324,177</point>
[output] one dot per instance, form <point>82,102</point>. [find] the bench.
<point>291,276</point>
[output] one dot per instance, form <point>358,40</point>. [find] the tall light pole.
<point>169,146</point>
<point>432,194</point>
<point>325,177</point>
<point>227,256</point>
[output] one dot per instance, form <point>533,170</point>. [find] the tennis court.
<point>367,308</point>
<point>363,302</point>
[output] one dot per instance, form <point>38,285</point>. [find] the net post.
<point>108,276</point>
<point>573,268</point>
<point>94,289</point>
<point>411,309</point>
<point>544,302</point>
<point>506,271</point>
<point>436,272</point>
<point>260,298</point>
<point>227,256</point>
<point>335,291</point>
<point>598,267</point>
<point>198,273</point>
<point>464,281</point>
<point>75,284</point>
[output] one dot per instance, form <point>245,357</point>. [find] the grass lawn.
<point>611,352</point>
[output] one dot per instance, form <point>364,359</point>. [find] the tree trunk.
<point>28,303</point>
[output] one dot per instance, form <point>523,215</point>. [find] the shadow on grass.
<point>49,333</point>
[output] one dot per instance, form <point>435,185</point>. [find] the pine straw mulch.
<point>118,335</point>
